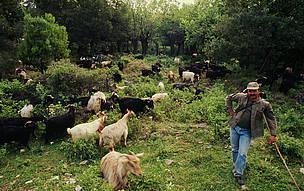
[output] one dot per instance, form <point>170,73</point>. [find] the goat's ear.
<point>139,154</point>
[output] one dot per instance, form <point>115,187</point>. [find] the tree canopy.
<point>43,41</point>
<point>264,35</point>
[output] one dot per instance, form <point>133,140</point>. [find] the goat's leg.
<point>125,135</point>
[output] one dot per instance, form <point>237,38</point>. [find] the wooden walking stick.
<point>285,164</point>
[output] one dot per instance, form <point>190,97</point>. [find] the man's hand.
<point>231,112</point>
<point>272,139</point>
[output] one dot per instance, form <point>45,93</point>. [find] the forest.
<point>173,64</point>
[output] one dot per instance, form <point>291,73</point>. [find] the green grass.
<point>199,163</point>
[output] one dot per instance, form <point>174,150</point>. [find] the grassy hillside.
<point>185,142</point>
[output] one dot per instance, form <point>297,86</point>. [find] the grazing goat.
<point>161,86</point>
<point>181,86</point>
<point>146,72</point>
<point>107,63</point>
<point>115,133</point>
<point>155,68</point>
<point>88,130</point>
<point>96,101</point>
<point>177,60</point>
<point>158,96</point>
<point>137,105</point>
<point>56,126</point>
<point>171,76</point>
<point>188,76</point>
<point>120,65</point>
<point>117,77</point>
<point>115,167</point>
<point>19,133</point>
<point>26,111</point>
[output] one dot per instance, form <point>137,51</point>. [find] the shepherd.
<point>246,122</point>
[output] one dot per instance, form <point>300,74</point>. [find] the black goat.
<point>56,126</point>
<point>18,133</point>
<point>146,72</point>
<point>181,86</point>
<point>120,65</point>
<point>117,77</point>
<point>155,69</point>
<point>137,105</point>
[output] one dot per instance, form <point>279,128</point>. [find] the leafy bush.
<point>142,89</point>
<point>81,150</point>
<point>68,79</point>
<point>10,108</point>
<point>291,122</point>
<point>291,146</point>
<point>12,88</point>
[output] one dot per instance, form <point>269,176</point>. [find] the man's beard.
<point>254,97</point>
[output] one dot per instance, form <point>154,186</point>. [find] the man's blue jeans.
<point>240,139</point>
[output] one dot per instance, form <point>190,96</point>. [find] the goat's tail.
<point>69,131</point>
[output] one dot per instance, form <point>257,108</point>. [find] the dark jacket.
<point>258,109</point>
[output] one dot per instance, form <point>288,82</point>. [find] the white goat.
<point>26,111</point>
<point>161,86</point>
<point>177,60</point>
<point>188,76</point>
<point>114,133</point>
<point>115,167</point>
<point>87,130</point>
<point>95,102</point>
<point>106,63</point>
<point>158,96</point>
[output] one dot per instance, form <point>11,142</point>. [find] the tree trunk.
<point>172,49</point>
<point>144,45</point>
<point>134,45</point>
<point>118,44</point>
<point>156,48</point>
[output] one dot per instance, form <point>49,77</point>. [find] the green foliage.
<point>67,79</point>
<point>148,183</point>
<point>291,122</point>
<point>291,147</point>
<point>44,41</point>
<point>10,88</point>
<point>145,88</point>
<point>10,92</point>
<point>90,181</point>
<point>81,150</point>
<point>3,153</point>
<point>11,18</point>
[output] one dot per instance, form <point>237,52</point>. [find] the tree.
<point>44,41</point>
<point>11,17</point>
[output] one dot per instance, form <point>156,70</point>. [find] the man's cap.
<point>253,86</point>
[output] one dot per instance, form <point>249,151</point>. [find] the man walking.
<point>246,124</point>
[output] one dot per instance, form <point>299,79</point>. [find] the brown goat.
<point>115,167</point>
<point>171,76</point>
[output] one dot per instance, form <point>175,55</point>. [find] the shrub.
<point>145,88</point>
<point>10,108</point>
<point>292,147</point>
<point>81,150</point>
<point>68,79</point>
<point>12,88</point>
<point>291,122</point>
